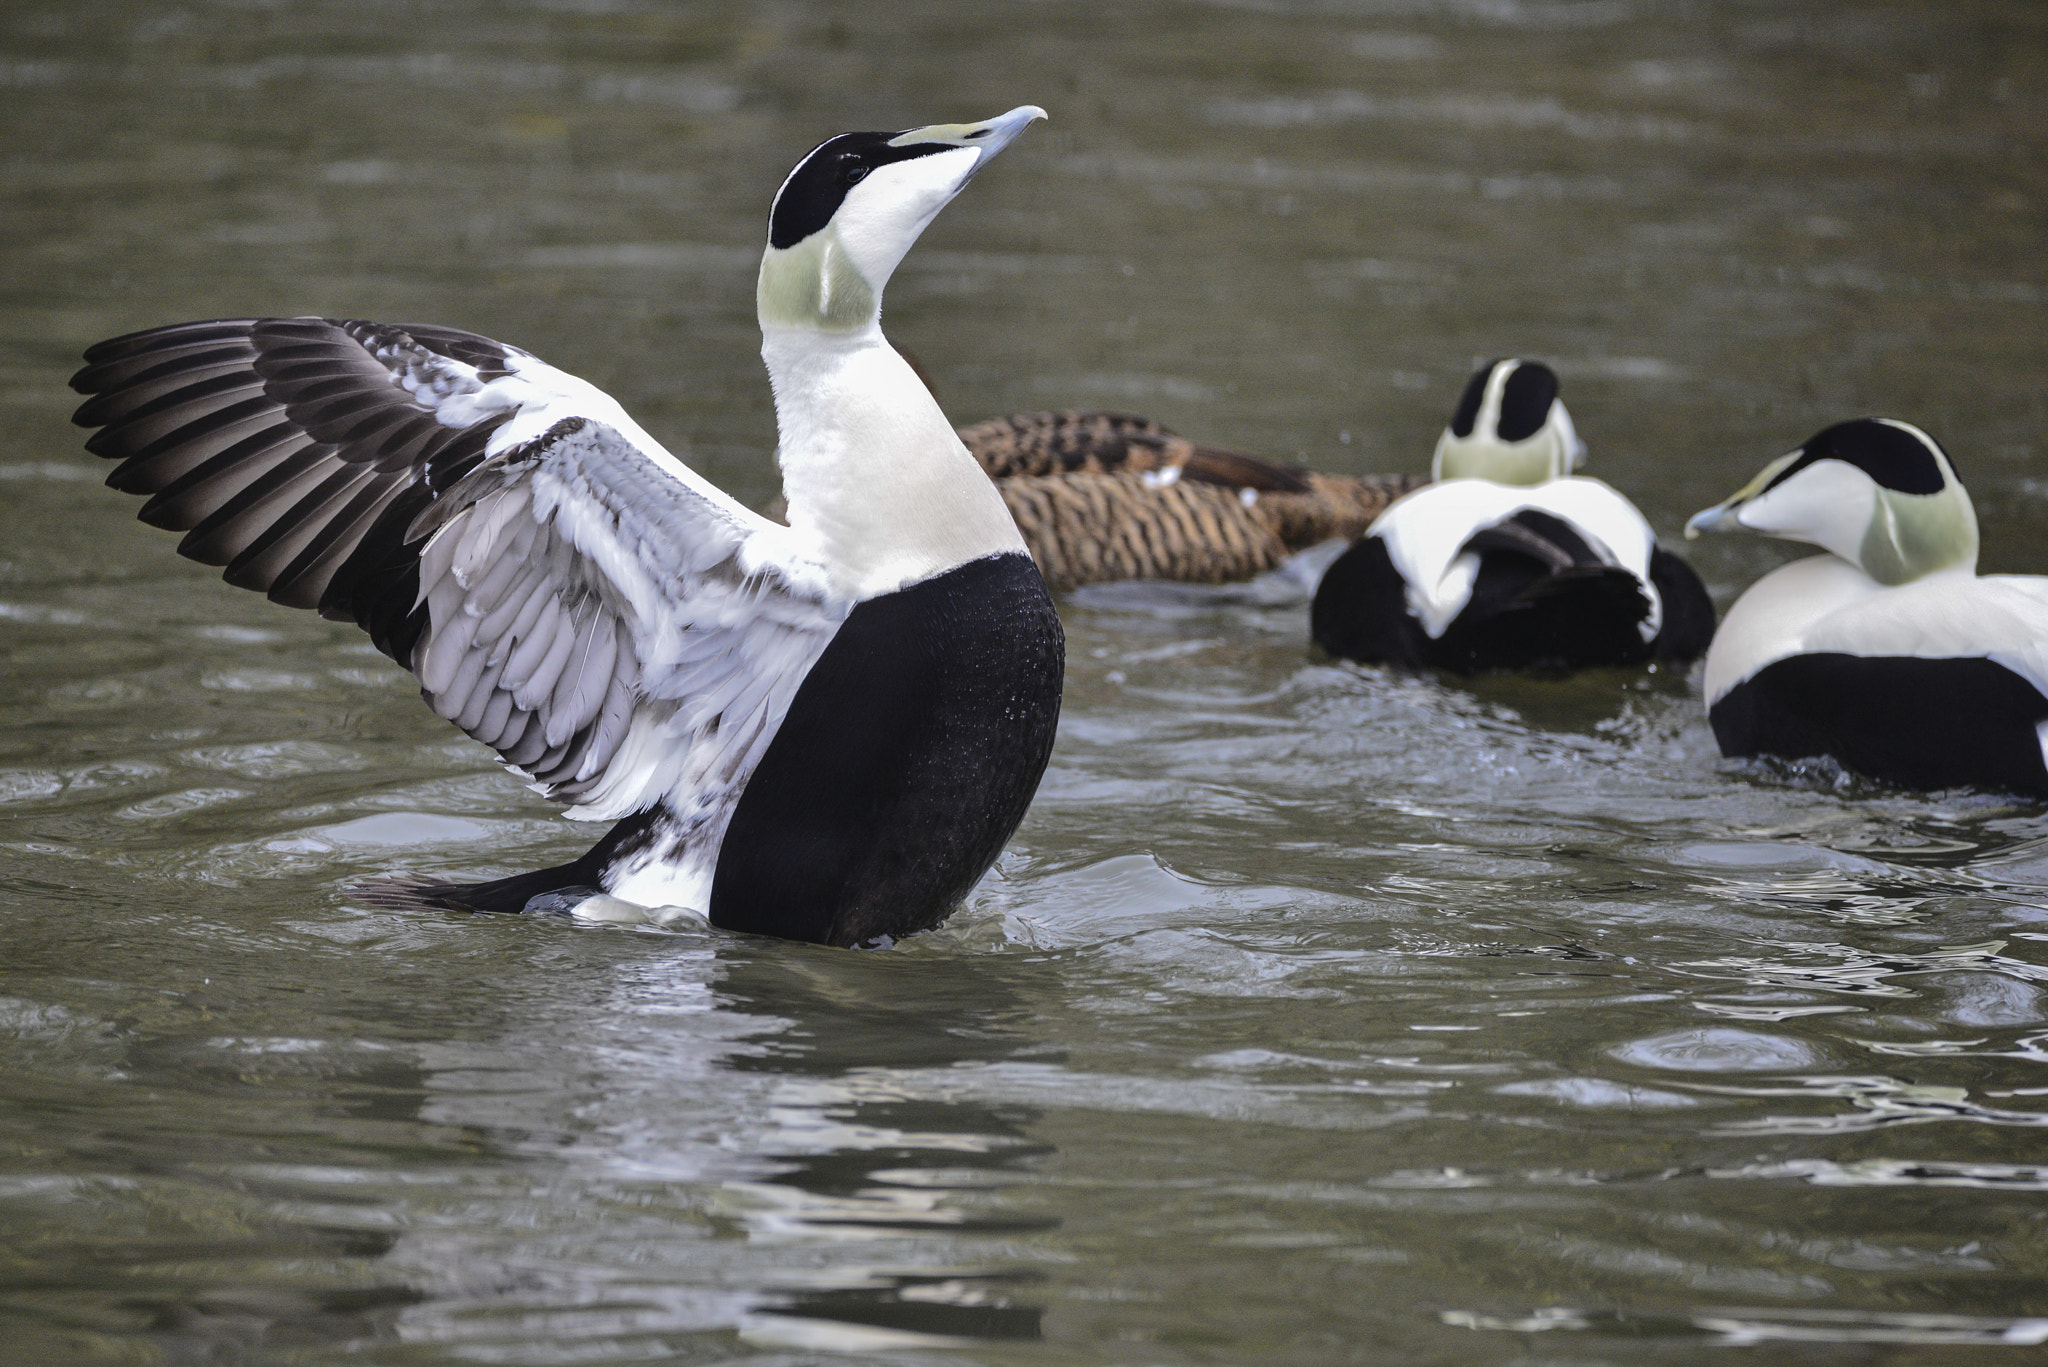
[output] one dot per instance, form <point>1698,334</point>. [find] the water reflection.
<point>870,1162</point>
<point>664,1138</point>
<point>730,1113</point>
<point>1879,1102</point>
<point>155,1231</point>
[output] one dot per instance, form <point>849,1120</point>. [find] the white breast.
<point>878,483</point>
<point>1823,604</point>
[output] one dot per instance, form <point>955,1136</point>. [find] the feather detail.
<point>533,648</point>
<point>564,589</point>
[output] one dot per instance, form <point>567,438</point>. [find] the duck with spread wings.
<point>825,731</point>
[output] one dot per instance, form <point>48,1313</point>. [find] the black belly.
<point>1523,614</point>
<point>1947,723</point>
<point>905,762</point>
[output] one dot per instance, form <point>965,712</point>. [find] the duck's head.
<point>1878,492</point>
<point>1510,427</point>
<point>850,210</point>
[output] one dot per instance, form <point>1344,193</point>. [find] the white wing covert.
<point>612,633</point>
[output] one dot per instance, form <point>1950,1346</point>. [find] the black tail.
<point>1545,599</point>
<point>557,888</point>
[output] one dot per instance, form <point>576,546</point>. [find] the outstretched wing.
<point>565,590</point>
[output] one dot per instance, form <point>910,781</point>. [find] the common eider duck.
<point>1105,496</point>
<point>1888,653</point>
<point>824,731</point>
<point>1508,560</point>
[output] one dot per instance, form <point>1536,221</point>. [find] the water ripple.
<point>1881,1102</point>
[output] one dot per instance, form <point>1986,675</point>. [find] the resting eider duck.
<point>1889,653</point>
<point>1106,496</point>
<point>1508,560</point>
<point>824,731</point>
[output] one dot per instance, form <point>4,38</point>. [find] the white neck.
<point>874,475</point>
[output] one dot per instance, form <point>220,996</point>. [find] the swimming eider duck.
<point>1888,653</point>
<point>1105,496</point>
<point>824,731</point>
<point>1508,560</point>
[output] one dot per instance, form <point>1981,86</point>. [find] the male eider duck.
<point>1508,560</point>
<point>1888,654</point>
<point>1105,496</point>
<point>824,731</point>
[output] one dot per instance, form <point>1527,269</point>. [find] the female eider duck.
<point>1105,496</point>
<point>824,731</point>
<point>1508,560</point>
<point>1888,654</point>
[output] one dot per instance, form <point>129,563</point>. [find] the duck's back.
<point>1471,575</point>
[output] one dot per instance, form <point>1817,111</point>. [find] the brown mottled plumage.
<point>1106,443</point>
<point>1103,496</point>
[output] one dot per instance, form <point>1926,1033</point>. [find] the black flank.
<point>1688,609</point>
<point>1361,610</point>
<point>1940,723</point>
<point>906,760</point>
<point>1543,600</point>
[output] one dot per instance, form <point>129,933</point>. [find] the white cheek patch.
<point>882,216</point>
<point>1828,504</point>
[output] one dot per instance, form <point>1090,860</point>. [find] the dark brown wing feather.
<point>1072,442</point>
<point>1237,470</point>
<point>1076,483</point>
<point>287,452</point>
<point>1331,506</point>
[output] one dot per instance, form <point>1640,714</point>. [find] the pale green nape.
<point>1911,535</point>
<point>814,284</point>
<point>1533,462</point>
